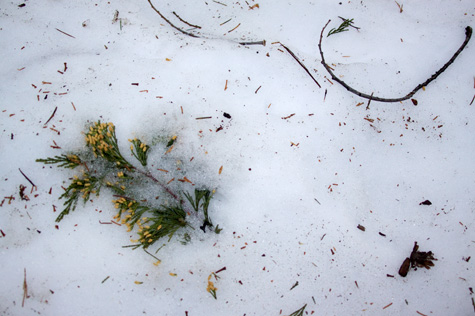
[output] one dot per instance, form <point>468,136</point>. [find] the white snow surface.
<point>293,189</point>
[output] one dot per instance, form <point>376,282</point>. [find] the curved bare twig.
<point>468,35</point>
<point>170,23</point>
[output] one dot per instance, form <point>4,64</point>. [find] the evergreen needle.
<point>342,28</point>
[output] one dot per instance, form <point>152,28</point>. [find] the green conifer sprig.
<point>299,312</point>
<point>110,169</point>
<point>206,196</point>
<point>102,139</point>
<point>163,221</point>
<point>139,150</point>
<point>66,161</point>
<point>79,187</point>
<point>342,28</point>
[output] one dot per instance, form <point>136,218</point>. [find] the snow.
<point>289,213</point>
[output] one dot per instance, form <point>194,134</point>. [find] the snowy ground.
<point>293,189</point>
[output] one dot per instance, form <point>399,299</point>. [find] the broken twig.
<point>170,23</point>
<point>468,35</point>
<point>64,33</point>
<point>54,112</point>
<point>300,63</point>
<point>179,18</point>
<point>27,178</point>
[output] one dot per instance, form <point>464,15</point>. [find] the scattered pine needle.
<point>54,112</point>
<point>65,33</point>
<point>234,28</point>
<point>25,289</point>
<point>387,305</point>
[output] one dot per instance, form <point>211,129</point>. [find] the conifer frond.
<point>163,221</point>
<point>211,289</point>
<point>299,312</point>
<point>171,141</point>
<point>342,28</point>
<point>206,196</point>
<point>79,187</point>
<point>109,168</point>
<point>65,161</point>
<point>101,138</point>
<point>139,150</point>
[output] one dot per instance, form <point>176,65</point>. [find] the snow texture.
<point>293,189</point>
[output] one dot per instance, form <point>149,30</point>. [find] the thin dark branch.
<point>27,178</point>
<point>300,63</point>
<point>171,24</point>
<point>468,35</point>
<point>54,112</point>
<point>64,33</point>
<point>179,18</point>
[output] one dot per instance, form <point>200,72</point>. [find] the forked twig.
<point>468,35</point>
<point>189,24</point>
<point>170,23</point>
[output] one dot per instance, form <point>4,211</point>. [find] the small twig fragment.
<point>234,28</point>
<point>399,6</point>
<point>27,178</point>
<point>287,117</point>
<point>361,227</point>
<point>387,305</point>
<point>64,33</point>
<point>263,43</point>
<point>300,63</point>
<point>54,112</point>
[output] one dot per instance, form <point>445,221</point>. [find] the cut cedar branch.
<point>468,35</point>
